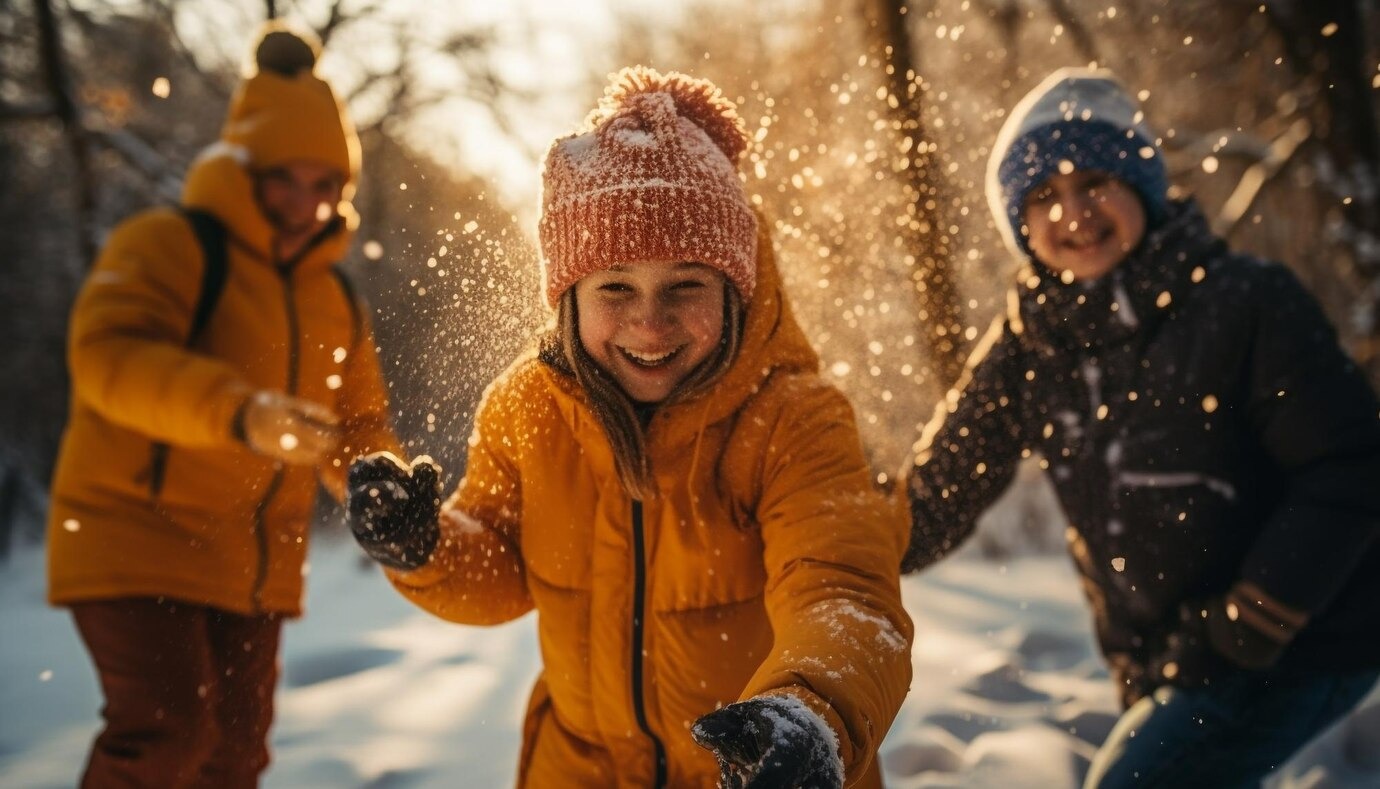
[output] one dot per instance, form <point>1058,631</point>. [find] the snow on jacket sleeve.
<point>1319,420</point>
<point>477,576</point>
<point>969,451</point>
<point>127,340</point>
<point>363,409</point>
<point>832,546</point>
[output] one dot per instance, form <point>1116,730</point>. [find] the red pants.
<point>188,693</point>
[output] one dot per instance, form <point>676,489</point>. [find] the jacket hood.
<point>772,343</point>
<point>219,183</point>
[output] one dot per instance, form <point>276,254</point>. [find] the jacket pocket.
<point>151,476</point>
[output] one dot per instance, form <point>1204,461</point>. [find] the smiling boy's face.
<point>650,324</point>
<point>1083,222</point>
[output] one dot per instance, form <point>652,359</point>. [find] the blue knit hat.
<point>1083,117</point>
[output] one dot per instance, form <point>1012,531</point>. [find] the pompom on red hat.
<point>653,178</point>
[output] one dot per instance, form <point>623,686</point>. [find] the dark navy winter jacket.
<point>1201,426</point>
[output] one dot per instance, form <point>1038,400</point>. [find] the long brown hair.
<point>561,348</point>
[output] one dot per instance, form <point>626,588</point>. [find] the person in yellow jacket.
<point>668,482</point>
<point>187,474</point>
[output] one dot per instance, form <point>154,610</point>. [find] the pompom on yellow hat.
<point>283,112</point>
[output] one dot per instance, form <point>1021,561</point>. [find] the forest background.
<point>871,123</point>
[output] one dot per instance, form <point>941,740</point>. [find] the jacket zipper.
<point>261,537</point>
<point>261,512</point>
<point>638,626</point>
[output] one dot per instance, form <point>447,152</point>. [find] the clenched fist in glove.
<point>394,508</point>
<point>1245,630</point>
<point>771,742</point>
<point>296,431</point>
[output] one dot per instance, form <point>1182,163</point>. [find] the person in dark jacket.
<point>1216,452</point>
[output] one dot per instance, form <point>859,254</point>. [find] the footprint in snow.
<point>965,726</point>
<point>1004,684</point>
<point>1043,650</point>
<point>399,779</point>
<point>326,666</point>
<point>922,754</point>
<point>1090,726</point>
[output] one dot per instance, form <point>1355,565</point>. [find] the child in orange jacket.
<point>667,480</point>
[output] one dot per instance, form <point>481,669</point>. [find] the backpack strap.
<point>211,236</point>
<point>356,311</point>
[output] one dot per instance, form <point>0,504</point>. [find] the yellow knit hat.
<point>284,112</point>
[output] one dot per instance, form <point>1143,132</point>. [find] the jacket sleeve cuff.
<point>237,429</point>
<point>1251,628</point>
<point>1250,605</point>
<point>846,752</point>
<point>229,412</point>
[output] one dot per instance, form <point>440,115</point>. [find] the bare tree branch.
<point>1258,175</point>
<point>142,157</point>
<point>370,81</point>
<point>163,12</point>
<point>69,112</point>
<point>1082,39</point>
<point>1188,149</point>
<point>339,17</point>
<point>29,110</point>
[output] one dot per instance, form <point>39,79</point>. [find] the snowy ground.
<point>1008,690</point>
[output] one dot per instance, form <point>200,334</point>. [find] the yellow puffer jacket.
<point>766,563</point>
<point>223,526</point>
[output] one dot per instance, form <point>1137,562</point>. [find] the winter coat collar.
<point>219,183</point>
<point>1054,316</point>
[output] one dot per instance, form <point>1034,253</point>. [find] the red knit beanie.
<point>654,178</point>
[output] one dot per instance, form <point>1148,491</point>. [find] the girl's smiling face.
<point>1083,222</point>
<point>650,324</point>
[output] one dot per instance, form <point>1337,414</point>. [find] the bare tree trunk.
<point>1326,45</point>
<point>9,507</point>
<point>1326,39</point>
<point>939,311</point>
<point>69,112</point>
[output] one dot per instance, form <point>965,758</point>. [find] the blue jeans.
<point>1227,736</point>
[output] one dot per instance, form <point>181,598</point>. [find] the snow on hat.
<point>284,112</point>
<point>1083,117</point>
<point>653,178</point>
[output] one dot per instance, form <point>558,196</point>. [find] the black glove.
<point>1243,631</point>
<point>1187,659</point>
<point>770,742</point>
<point>394,509</point>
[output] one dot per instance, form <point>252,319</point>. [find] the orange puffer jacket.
<point>220,525</point>
<point>765,564</point>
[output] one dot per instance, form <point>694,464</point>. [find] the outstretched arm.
<point>832,546</point>
<point>472,572</point>
<point>969,451</point>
